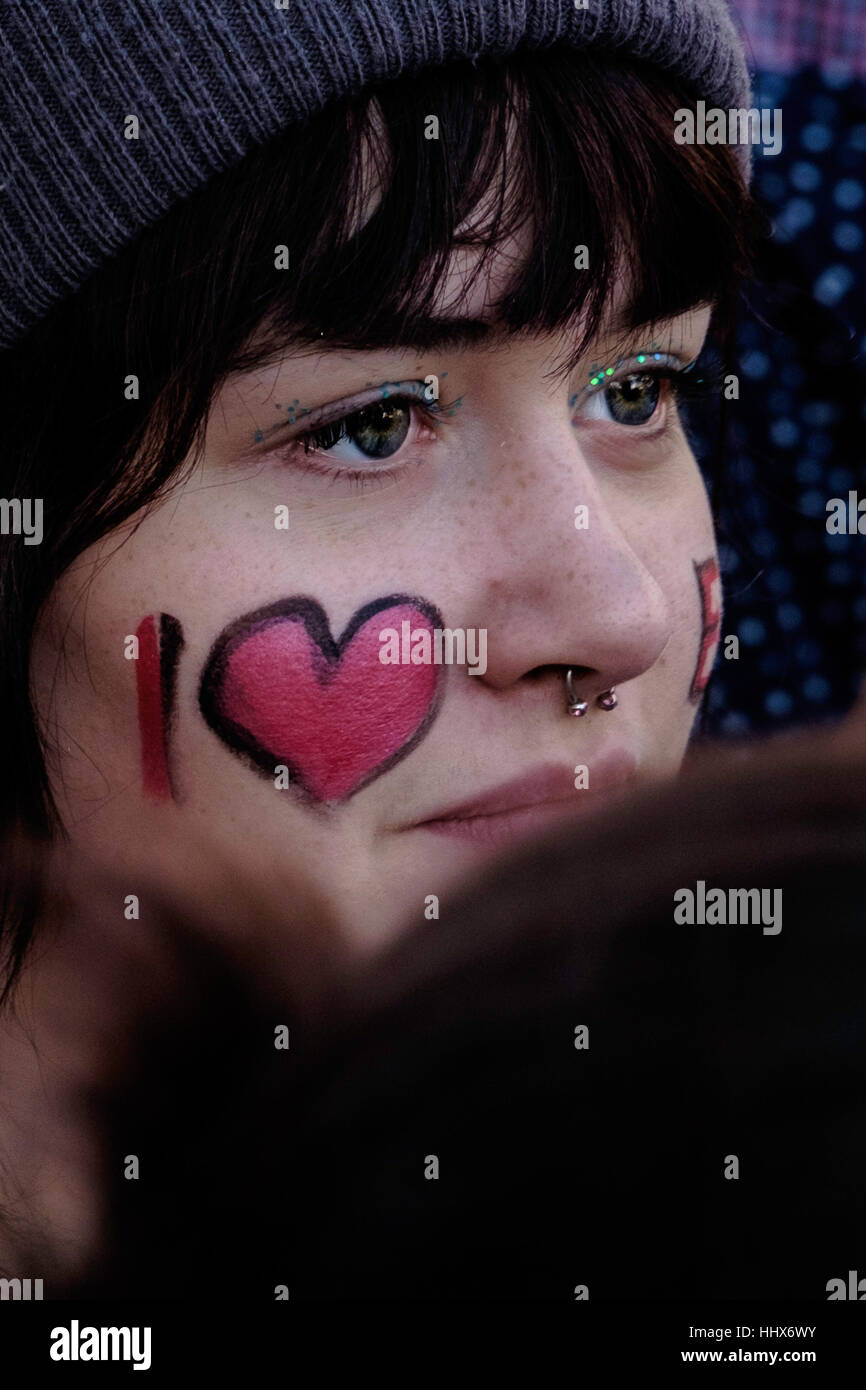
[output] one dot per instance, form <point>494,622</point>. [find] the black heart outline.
<point>315,620</point>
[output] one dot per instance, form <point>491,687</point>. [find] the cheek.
<point>160,640</point>
<point>677,545</point>
<point>671,530</point>
<point>122,672</point>
<point>701,586</point>
<point>332,715</point>
<point>709,585</point>
<point>84,687</point>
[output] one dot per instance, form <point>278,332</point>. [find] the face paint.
<point>649,355</point>
<point>160,641</point>
<point>710,590</point>
<point>279,690</point>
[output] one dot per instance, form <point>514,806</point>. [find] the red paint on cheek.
<point>278,688</point>
<point>154,763</point>
<point>710,590</point>
<point>159,644</point>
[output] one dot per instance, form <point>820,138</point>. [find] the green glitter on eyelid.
<point>600,373</point>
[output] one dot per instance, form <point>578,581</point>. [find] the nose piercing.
<point>574,706</point>
<point>607,699</point>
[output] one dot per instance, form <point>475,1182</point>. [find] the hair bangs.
<point>548,152</point>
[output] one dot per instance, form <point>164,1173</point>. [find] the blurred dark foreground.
<point>440,1124</point>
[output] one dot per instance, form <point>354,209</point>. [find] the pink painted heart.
<point>279,689</point>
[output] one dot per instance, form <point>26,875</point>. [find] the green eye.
<point>378,430</point>
<point>633,400</point>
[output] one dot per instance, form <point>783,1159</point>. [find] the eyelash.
<point>684,385</point>
<point>433,414</point>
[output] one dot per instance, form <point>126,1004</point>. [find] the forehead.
<point>477,277</point>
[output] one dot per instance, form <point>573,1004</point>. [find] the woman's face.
<point>287,688</point>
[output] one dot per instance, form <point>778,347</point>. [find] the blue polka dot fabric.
<point>795,594</point>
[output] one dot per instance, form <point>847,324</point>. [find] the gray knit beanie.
<point>210,79</point>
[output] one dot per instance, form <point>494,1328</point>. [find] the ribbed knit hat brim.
<point>210,79</point>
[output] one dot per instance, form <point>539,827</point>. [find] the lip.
<point>531,801</point>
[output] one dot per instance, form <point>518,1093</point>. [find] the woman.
<point>346,364</point>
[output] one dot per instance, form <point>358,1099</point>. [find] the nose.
<point>566,588</point>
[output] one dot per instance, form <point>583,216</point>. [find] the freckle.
<point>508,501</point>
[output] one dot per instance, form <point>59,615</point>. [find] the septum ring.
<point>606,700</point>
